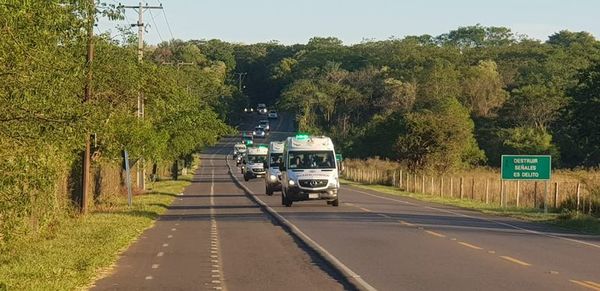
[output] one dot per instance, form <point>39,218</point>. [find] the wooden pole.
<point>487,190</point>
<point>518,192</point>
<point>502,193</point>
<point>451,187</point>
<point>578,195</point>
<point>422,183</point>
<point>400,182</point>
<point>442,186</point>
<point>535,190</point>
<point>461,187</point>
<point>555,195</point>
<point>473,188</point>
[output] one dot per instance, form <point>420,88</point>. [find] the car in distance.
<point>272,175</point>
<point>264,123</point>
<point>272,114</point>
<point>309,170</point>
<point>261,108</point>
<point>254,162</point>
<point>259,132</point>
<point>247,138</point>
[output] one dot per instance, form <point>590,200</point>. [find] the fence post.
<point>394,178</point>
<point>451,187</point>
<point>501,193</point>
<point>400,182</point>
<point>518,192</point>
<point>473,188</point>
<point>441,186</point>
<point>535,194</point>
<point>461,187</point>
<point>578,195</point>
<point>487,190</point>
<point>555,195</point>
<point>422,183</point>
<point>407,182</point>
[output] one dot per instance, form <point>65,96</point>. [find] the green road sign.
<point>338,157</point>
<point>526,167</point>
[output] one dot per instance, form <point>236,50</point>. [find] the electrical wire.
<point>166,20</point>
<point>154,22</point>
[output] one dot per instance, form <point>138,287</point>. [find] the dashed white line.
<point>155,266</point>
<point>160,254</point>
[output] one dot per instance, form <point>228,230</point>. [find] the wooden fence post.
<point>487,190</point>
<point>501,193</point>
<point>461,187</point>
<point>578,195</point>
<point>400,182</point>
<point>555,195</point>
<point>518,192</point>
<point>451,187</point>
<point>473,188</point>
<point>422,183</point>
<point>441,186</point>
<point>535,187</point>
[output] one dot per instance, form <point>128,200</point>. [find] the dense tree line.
<point>441,103</point>
<point>44,121</point>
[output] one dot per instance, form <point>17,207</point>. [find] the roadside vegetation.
<point>75,250</point>
<point>44,123</point>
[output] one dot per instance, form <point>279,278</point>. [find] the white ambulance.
<point>254,162</point>
<point>274,159</point>
<point>309,171</point>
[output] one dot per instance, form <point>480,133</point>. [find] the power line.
<point>167,21</point>
<point>154,22</point>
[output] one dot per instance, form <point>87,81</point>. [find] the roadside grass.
<point>83,247</point>
<point>582,223</point>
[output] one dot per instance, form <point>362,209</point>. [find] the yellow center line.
<point>515,261</point>
<point>585,285</point>
<point>435,233</point>
<point>593,284</point>
<point>469,245</point>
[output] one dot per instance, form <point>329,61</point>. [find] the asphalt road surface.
<point>215,237</point>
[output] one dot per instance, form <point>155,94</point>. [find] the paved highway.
<point>216,237</point>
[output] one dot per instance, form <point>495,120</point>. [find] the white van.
<point>254,162</point>
<point>309,171</point>
<point>274,159</point>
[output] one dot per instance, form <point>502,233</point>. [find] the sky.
<point>352,21</point>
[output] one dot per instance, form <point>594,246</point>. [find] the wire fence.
<point>562,192</point>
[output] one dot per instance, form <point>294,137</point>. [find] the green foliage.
<point>44,121</point>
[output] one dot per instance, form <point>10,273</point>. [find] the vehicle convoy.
<point>274,159</point>
<point>253,163</point>
<point>309,170</point>
<point>261,108</point>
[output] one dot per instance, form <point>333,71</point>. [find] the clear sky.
<point>251,21</point>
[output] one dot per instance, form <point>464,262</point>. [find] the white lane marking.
<point>160,254</point>
<point>170,236</point>
<point>546,234</point>
<point>173,229</point>
<point>216,276</point>
<point>154,266</point>
<point>165,245</point>
<point>148,277</point>
<point>215,271</point>
<point>345,269</point>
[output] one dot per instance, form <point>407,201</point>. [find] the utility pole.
<point>141,171</point>
<point>240,76</point>
<point>85,177</point>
